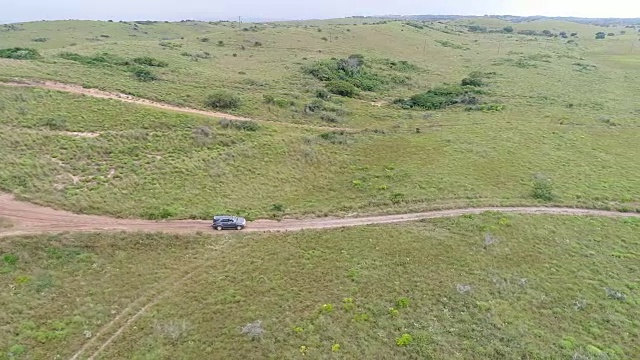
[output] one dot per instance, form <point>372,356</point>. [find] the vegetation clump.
<point>19,53</point>
<point>223,100</point>
<point>143,74</point>
<point>352,70</point>
<point>440,97</point>
<point>149,61</point>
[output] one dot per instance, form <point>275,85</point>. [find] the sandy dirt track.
<point>27,219</point>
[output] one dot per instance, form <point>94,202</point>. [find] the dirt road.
<point>76,89</point>
<point>26,218</point>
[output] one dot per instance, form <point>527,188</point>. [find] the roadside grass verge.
<point>482,286</point>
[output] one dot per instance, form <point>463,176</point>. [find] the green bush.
<point>239,125</point>
<point>404,340</point>
<point>485,107</point>
<point>149,61</point>
<point>323,94</point>
<point>10,259</point>
<point>472,81</point>
<point>223,100</point>
<point>40,39</point>
<point>439,98</point>
<point>18,53</point>
<point>342,88</point>
<point>314,106</point>
<point>98,59</point>
<point>330,118</point>
<point>542,188</point>
<point>352,70</point>
<point>508,29</point>
<point>143,74</point>
<point>55,123</point>
<point>600,35</point>
<point>336,137</point>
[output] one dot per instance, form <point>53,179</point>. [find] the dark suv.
<point>228,222</point>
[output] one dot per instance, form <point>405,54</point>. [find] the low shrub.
<point>149,61</point>
<point>336,137</point>
<point>352,70</point>
<point>330,118</point>
<point>314,106</point>
<point>542,188</point>
<point>98,59</point>
<point>243,125</point>
<point>223,100</point>
<point>40,39</point>
<point>472,81</point>
<point>19,53</point>
<point>55,123</point>
<point>143,74</point>
<point>440,97</point>
<point>342,88</point>
<point>404,340</point>
<point>485,107</point>
<point>322,94</point>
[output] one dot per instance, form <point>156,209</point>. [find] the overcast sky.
<point>30,10</point>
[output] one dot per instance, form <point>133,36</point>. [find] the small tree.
<point>508,29</point>
<point>600,35</point>
<point>223,100</point>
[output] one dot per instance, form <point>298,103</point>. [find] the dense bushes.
<point>136,66</point>
<point>472,81</point>
<point>344,76</point>
<point>149,61</point>
<point>342,88</point>
<point>223,100</point>
<point>98,59</point>
<point>18,53</point>
<point>143,74</point>
<point>239,125</point>
<point>440,97</point>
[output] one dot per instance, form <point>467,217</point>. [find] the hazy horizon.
<point>35,10</point>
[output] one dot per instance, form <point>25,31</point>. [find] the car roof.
<point>220,217</point>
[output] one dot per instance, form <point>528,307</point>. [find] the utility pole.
<point>499,45</point>
<point>239,22</point>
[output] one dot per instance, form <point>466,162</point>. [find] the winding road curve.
<point>28,219</point>
<point>31,219</point>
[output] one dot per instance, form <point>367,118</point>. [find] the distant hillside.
<point>515,19</point>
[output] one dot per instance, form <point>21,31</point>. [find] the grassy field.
<point>531,120</point>
<point>105,157</point>
<point>489,286</point>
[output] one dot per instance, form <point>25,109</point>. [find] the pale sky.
<point>31,10</point>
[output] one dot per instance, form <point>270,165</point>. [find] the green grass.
<point>147,161</point>
<point>476,287</point>
<point>533,118</point>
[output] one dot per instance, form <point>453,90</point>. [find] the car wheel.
<point>218,228</point>
<point>239,227</point>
